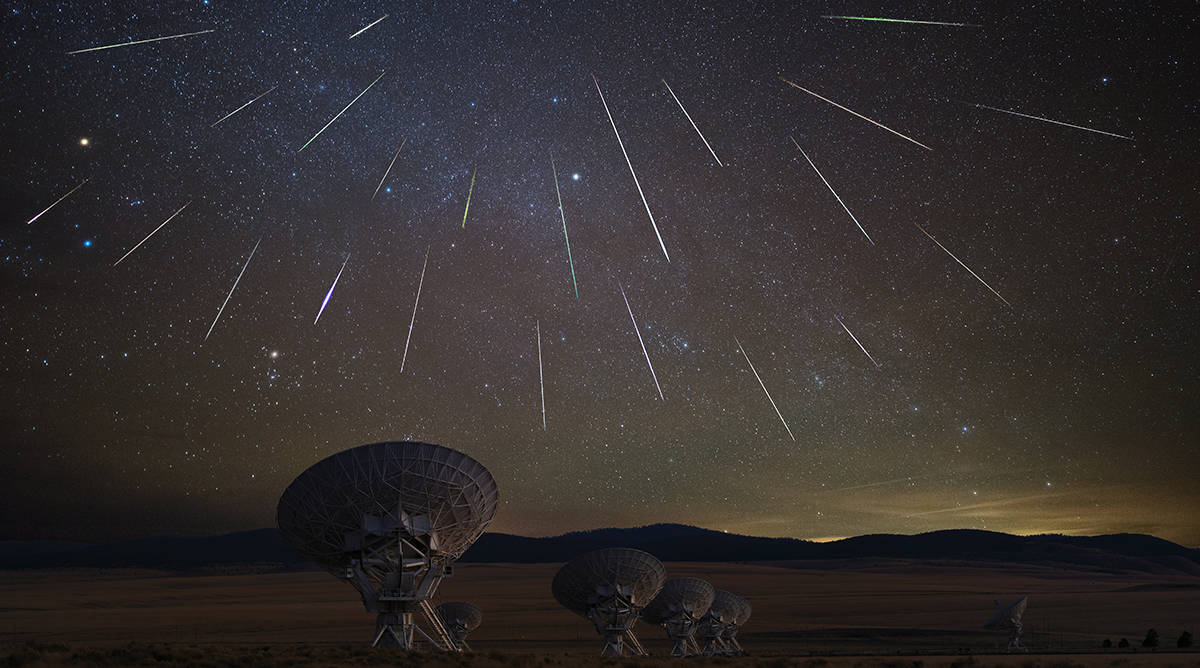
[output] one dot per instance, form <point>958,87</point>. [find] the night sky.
<point>1074,409</point>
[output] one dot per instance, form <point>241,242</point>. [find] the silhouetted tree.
<point>1151,639</point>
<point>1185,639</point>
<point>1124,642</point>
<point>1107,643</point>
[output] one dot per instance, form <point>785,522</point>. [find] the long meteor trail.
<point>72,190</point>
<point>839,199</point>
<point>342,112</point>
<point>139,41</point>
<point>414,313</point>
<point>130,251</point>
<point>640,341</point>
<point>928,23</point>
<point>389,169</point>
<point>764,389</point>
<point>563,213</point>
<point>1049,120</point>
<point>469,192</point>
<point>689,117</point>
<point>244,106</point>
<point>960,262</point>
<point>541,377</point>
<point>331,288</point>
<point>635,178</point>
<point>235,284</point>
<point>860,345</point>
<point>902,136</point>
<point>367,27</point>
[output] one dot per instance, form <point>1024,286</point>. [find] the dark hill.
<point>262,548</point>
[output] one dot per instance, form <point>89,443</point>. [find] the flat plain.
<point>863,613</point>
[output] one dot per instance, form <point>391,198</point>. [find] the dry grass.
<point>35,655</point>
<point>802,617</point>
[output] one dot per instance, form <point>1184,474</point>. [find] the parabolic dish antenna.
<point>390,518</point>
<point>459,618</point>
<point>714,627</point>
<point>729,633</point>
<point>1010,618</point>
<point>678,608</point>
<point>610,587</point>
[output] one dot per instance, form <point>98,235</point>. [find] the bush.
<point>1107,643</point>
<point>1185,640</point>
<point>1151,639</point>
<point>1124,642</point>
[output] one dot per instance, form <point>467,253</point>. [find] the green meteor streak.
<point>469,191</point>
<point>140,41</point>
<point>564,221</point>
<point>928,23</point>
<point>341,112</point>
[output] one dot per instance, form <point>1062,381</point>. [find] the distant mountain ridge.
<point>1116,553</point>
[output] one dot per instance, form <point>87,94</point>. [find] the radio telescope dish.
<point>390,518</point>
<point>678,608</point>
<point>713,628</point>
<point>610,587</point>
<point>729,633</point>
<point>1010,618</point>
<point>459,618</point>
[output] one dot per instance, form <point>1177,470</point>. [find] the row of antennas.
<point>614,587</point>
<point>392,518</point>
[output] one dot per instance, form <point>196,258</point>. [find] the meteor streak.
<point>563,213</point>
<point>764,389</point>
<point>860,345</point>
<point>689,117</point>
<point>330,293</point>
<point>794,85</point>
<point>342,112</point>
<point>368,27</point>
<point>414,315</point>
<point>140,41</point>
<point>635,178</point>
<point>930,23</point>
<point>130,251</point>
<point>640,341</point>
<point>30,222</point>
<point>244,106</point>
<point>389,169</point>
<point>960,262</point>
<point>469,191</point>
<point>839,199</point>
<point>541,378</point>
<point>1048,120</point>
<point>235,284</point>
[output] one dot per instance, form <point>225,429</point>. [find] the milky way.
<point>1072,409</point>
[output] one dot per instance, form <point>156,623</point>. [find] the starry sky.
<point>1071,408</point>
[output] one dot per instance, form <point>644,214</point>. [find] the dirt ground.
<point>816,615</point>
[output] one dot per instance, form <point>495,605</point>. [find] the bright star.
<point>575,176</point>
<point>87,243</point>
<point>84,141</point>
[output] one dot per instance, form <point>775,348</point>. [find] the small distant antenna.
<point>1010,618</point>
<point>459,618</point>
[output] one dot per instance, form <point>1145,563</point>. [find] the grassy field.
<point>905,614</point>
<point>32,655</point>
